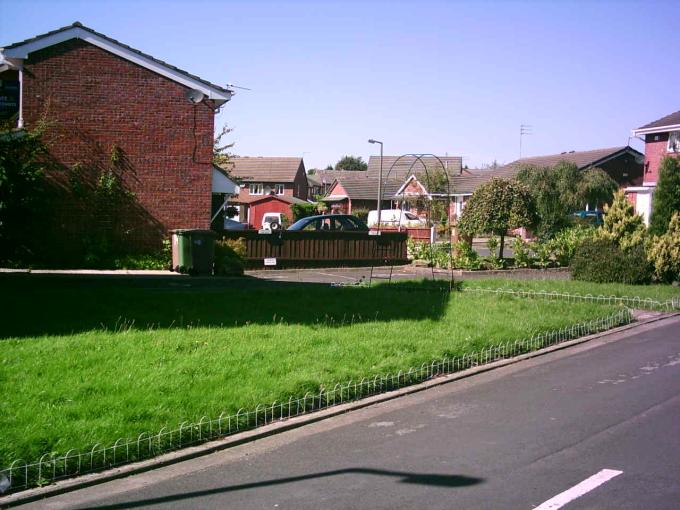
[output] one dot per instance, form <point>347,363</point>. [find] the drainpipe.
<point>20,123</point>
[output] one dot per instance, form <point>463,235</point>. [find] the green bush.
<point>663,252</point>
<point>465,256</point>
<point>362,214</point>
<point>603,261</point>
<point>230,257</point>
<point>566,241</point>
<point>542,253</point>
<point>303,210</point>
<point>523,257</point>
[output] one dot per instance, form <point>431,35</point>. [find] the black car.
<point>330,223</point>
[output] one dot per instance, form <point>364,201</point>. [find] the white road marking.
<point>579,490</point>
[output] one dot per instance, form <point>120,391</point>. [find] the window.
<point>279,189</point>
<point>255,188</point>
<point>674,141</point>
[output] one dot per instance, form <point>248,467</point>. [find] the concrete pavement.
<point>512,438</point>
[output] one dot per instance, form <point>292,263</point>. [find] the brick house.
<point>623,164</point>
<point>263,176</point>
<point>662,138</point>
<point>103,98</point>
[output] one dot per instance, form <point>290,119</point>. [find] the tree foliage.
<point>666,200</point>
<point>222,150</point>
<point>23,162</point>
<point>663,252</point>
<point>563,189</point>
<point>496,207</point>
<point>352,164</point>
<point>621,225</point>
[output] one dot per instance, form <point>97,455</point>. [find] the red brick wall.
<point>655,150</point>
<point>301,185</point>
<point>95,100</point>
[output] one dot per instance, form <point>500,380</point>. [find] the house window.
<point>256,188</point>
<point>674,142</point>
<point>279,189</point>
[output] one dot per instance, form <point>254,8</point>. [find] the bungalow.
<point>623,164</point>
<point>111,108</point>
<point>662,138</point>
<point>260,177</point>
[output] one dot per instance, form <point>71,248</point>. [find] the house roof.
<point>328,176</point>
<point>265,169</point>
<point>582,159</point>
<point>313,180</point>
<point>404,166</point>
<point>77,30</point>
<point>670,122</point>
<point>365,187</point>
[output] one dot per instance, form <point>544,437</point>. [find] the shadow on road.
<point>431,479</point>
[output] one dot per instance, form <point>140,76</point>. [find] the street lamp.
<point>379,179</point>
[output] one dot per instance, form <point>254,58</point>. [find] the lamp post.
<point>379,179</point>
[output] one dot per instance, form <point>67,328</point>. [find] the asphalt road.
<point>513,438</point>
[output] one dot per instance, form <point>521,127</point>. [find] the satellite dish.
<point>194,96</point>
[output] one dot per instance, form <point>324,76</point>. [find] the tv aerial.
<point>232,86</point>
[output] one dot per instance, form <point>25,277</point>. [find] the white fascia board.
<point>640,189</point>
<point>22,52</point>
<point>660,129</point>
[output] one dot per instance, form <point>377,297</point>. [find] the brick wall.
<point>94,101</point>
<point>655,150</point>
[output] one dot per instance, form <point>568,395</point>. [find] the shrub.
<point>465,256</point>
<point>230,257</point>
<point>663,252</point>
<point>564,244</point>
<point>523,257</point>
<point>542,253</point>
<point>666,198</point>
<point>362,214</point>
<point>602,260</point>
<point>622,225</point>
<point>303,210</point>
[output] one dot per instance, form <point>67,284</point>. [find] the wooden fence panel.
<point>321,248</point>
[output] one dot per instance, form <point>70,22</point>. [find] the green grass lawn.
<point>91,362</point>
<point>655,292</point>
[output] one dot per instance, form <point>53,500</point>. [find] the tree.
<point>666,200</point>
<point>496,207</point>
<point>23,162</point>
<point>595,187</point>
<point>352,164</point>
<point>221,151</point>
<point>663,252</point>
<point>562,189</point>
<point>621,224</point>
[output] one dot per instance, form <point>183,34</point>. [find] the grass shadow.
<point>42,304</point>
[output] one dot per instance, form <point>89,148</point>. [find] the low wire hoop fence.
<point>634,302</point>
<point>49,468</point>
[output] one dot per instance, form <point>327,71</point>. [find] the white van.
<point>272,221</point>
<point>395,218</point>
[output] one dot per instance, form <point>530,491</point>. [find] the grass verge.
<point>655,292</point>
<point>90,365</point>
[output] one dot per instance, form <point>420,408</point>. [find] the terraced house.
<point>115,113</point>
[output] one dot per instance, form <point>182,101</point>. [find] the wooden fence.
<point>300,249</point>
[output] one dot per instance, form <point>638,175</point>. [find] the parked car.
<point>395,218</point>
<point>272,221</point>
<point>590,217</point>
<point>330,223</point>
<point>234,225</point>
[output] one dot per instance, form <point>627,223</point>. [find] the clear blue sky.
<point>440,77</point>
